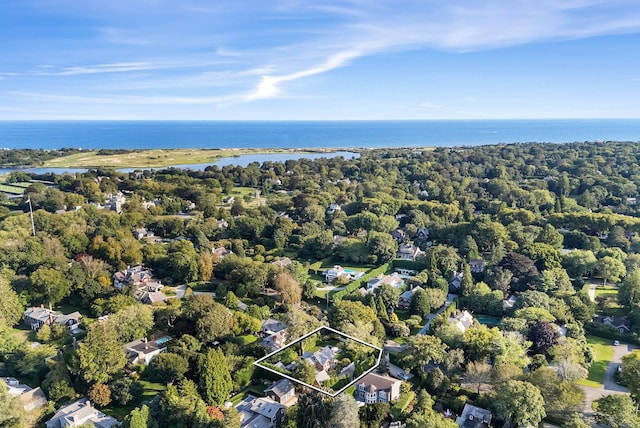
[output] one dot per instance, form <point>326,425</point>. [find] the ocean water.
<point>304,134</point>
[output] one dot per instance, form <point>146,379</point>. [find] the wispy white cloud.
<point>269,86</point>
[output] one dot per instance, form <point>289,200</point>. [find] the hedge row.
<point>602,330</point>
<point>353,286</point>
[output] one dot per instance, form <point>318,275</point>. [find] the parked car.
<point>616,342</point>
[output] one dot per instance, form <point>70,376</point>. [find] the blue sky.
<point>312,60</point>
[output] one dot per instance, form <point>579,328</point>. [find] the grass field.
<point>150,390</point>
<point>14,190</point>
<point>603,354</point>
<point>606,290</point>
<point>153,158</point>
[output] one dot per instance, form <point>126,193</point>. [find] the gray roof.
<point>78,413</point>
<point>281,387</point>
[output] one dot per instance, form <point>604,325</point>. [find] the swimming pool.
<point>162,340</point>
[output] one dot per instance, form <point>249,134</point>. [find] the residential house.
<point>137,276</point>
<point>150,297</point>
<point>271,326</point>
<point>322,360</point>
<point>79,413</point>
<point>283,392</point>
<point>405,298</point>
<point>260,413</point>
<point>393,280</point>
<point>455,282</point>
<point>375,388</point>
<point>339,239</point>
<point>221,252</point>
<point>142,351</point>
<point>274,334</point>
<point>339,271</point>
<point>274,181</point>
<point>462,321</point>
<point>115,202</point>
<point>229,200</point>
<point>476,265</point>
<point>30,398</point>
<point>222,224</point>
<point>474,417</point>
<point>275,341</point>
<point>36,317</point>
<point>509,303</point>
<point>621,324</point>
<point>334,208</point>
<point>399,235</point>
<point>409,251</point>
<point>142,233</point>
<point>422,234</point>
<point>282,262</point>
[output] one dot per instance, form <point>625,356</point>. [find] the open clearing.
<point>603,355</point>
<point>155,158</point>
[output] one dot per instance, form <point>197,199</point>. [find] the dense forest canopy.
<point>516,231</point>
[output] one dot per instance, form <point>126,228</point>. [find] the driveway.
<point>430,317</point>
<point>609,385</point>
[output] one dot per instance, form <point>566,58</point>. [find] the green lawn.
<point>256,390</point>
<point>606,290</point>
<point>150,390</point>
<point>603,354</point>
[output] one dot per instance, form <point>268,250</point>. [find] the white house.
<point>409,251</point>
<point>393,280</point>
<point>338,271</point>
<point>462,321</point>
<point>405,298</point>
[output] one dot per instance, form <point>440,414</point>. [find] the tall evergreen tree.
<point>382,310</point>
<point>215,379</point>
<point>466,286</point>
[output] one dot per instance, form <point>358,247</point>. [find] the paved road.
<point>609,384</point>
<point>430,317</point>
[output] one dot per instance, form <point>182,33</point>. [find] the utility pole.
<point>33,225</point>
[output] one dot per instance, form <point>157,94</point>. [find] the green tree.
<point>11,412</point>
<point>51,284</point>
<point>421,350</point>
<point>382,245</point>
<point>466,285</point>
<point>100,354</point>
<point>579,263</point>
<point>611,269</point>
<point>420,303</point>
<point>519,403</point>
<point>215,379</point>
<point>616,411</point>
<point>11,309</point>
<point>138,418</point>
<point>168,367</point>
<point>133,322</point>
<point>313,410</point>
<point>344,413</point>
<point>629,291</point>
